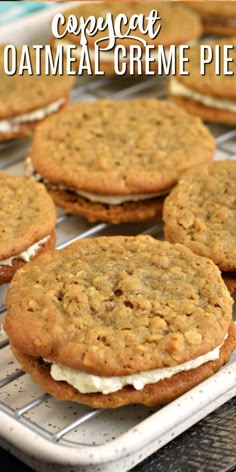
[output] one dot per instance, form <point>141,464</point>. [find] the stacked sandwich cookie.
<point>218,18</point>
<point>210,93</point>
<point>178,25</point>
<point>25,100</point>
<point>117,320</point>
<point>200,213</point>
<point>27,222</point>
<point>115,160</point>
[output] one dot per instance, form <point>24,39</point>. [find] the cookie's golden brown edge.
<point>93,212</point>
<point>219,29</point>
<point>159,393</point>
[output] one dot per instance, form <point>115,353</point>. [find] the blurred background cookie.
<point>115,160</point>
<point>218,18</point>
<point>27,222</point>
<point>25,100</point>
<point>210,95</point>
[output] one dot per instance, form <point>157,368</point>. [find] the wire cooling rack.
<point>51,435</point>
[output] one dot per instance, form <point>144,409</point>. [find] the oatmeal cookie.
<point>218,18</point>
<point>115,160</point>
<point>200,213</point>
<point>27,222</point>
<point>119,320</point>
<point>211,96</point>
<point>25,100</point>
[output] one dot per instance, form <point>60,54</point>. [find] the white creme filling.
<point>93,197</point>
<point>178,89</point>
<point>27,254</point>
<point>88,383</point>
<point>36,115</point>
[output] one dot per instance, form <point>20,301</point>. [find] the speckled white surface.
<point>109,440</point>
<point>137,431</point>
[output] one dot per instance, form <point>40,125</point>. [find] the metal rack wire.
<point>27,404</point>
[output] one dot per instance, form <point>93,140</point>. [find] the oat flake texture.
<point>118,305</point>
<point>200,213</point>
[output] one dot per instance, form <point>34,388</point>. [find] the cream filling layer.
<point>88,383</point>
<point>25,255</point>
<point>93,197</point>
<point>36,115</point>
<point>178,89</point>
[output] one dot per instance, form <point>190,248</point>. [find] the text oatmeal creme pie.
<point>179,25</point>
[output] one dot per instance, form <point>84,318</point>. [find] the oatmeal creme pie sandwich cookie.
<point>210,96</point>
<point>179,25</point>
<point>218,18</point>
<point>25,100</point>
<point>27,222</point>
<point>115,160</point>
<point>200,212</point>
<point>117,320</point>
